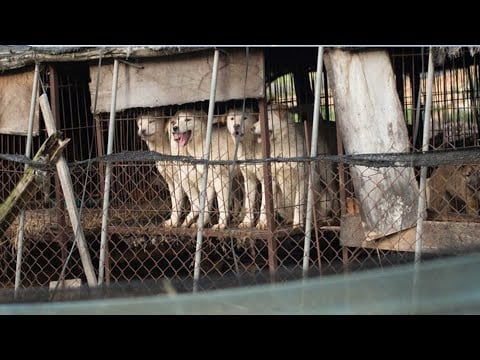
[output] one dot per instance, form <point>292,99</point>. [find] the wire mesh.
<point>144,246</point>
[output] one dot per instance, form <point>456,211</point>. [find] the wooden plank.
<point>371,120</point>
<point>180,79</point>
<point>438,236</point>
<point>66,182</point>
<point>15,95</point>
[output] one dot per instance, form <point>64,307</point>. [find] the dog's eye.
<point>244,118</point>
<point>187,119</point>
<point>232,118</point>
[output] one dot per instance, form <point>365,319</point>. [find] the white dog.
<point>240,127</point>
<point>288,178</point>
<point>154,131</point>
<point>287,140</point>
<point>188,129</point>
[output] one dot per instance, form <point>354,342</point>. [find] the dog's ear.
<point>166,126</point>
<point>220,119</point>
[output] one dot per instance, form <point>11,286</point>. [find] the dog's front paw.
<point>170,223</point>
<point>246,224</point>
<point>262,225</point>
<point>219,226</point>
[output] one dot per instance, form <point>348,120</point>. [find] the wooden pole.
<point>69,195</point>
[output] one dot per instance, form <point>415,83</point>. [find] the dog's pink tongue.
<point>184,138</point>
<point>259,139</point>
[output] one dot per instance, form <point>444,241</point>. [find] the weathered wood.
<point>31,179</point>
<point>69,195</point>
<point>180,80</point>
<point>438,237</point>
<point>24,57</point>
<point>371,120</point>
<point>15,95</point>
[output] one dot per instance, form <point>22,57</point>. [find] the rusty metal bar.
<point>341,186</point>
<point>267,178</point>
<point>100,151</point>
<point>60,238</point>
<point>345,259</point>
<point>108,175</point>
<point>206,156</point>
<point>313,153</point>
<point>28,152</point>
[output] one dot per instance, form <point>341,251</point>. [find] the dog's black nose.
<point>175,128</point>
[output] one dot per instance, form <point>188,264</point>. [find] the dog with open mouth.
<point>188,130</point>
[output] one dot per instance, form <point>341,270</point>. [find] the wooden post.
<point>67,187</point>
<point>371,120</point>
<point>61,237</point>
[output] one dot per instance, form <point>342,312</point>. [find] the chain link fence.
<point>353,228</point>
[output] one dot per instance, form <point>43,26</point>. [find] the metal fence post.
<point>108,175</point>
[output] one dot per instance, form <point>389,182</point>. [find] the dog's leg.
<point>176,194</point>
<point>195,177</point>
<point>190,185</point>
<point>177,198</point>
<point>250,190</point>
<point>221,184</point>
<point>299,205</point>
<point>262,221</point>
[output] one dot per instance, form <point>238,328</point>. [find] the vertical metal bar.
<point>313,153</point>
<point>327,105</point>
<point>107,262</point>
<point>345,259</point>
<point>59,198</point>
<point>108,174</point>
<point>28,152</point>
<point>423,173</point>
<point>100,152</point>
<point>342,190</point>
<point>206,156</point>
<point>267,178</point>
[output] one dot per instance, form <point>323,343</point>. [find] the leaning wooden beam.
<point>67,188</point>
<point>31,179</point>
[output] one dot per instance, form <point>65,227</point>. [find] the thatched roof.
<point>14,57</point>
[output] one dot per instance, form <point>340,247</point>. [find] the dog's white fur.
<point>241,130</point>
<point>287,140</point>
<point>188,129</point>
<point>154,131</point>
<point>288,178</point>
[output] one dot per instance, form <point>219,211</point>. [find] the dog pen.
<point>125,200</point>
